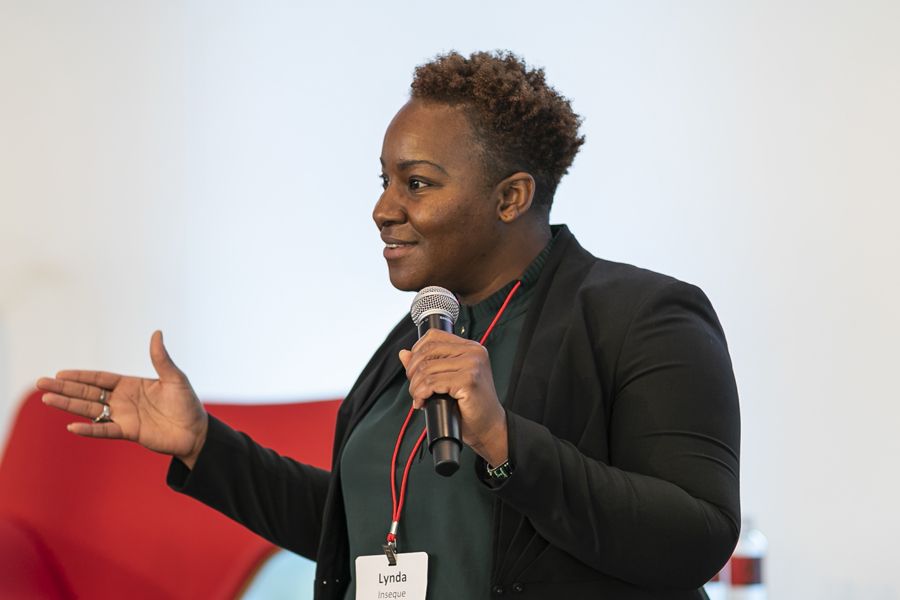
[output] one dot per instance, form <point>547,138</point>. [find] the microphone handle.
<point>442,414</point>
<point>442,421</point>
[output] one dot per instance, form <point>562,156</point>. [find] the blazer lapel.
<point>376,377</point>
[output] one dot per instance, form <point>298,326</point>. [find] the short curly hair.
<point>522,123</point>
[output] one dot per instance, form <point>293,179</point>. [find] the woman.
<point>599,414</point>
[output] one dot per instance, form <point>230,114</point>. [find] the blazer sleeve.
<point>276,497</point>
<point>663,511</point>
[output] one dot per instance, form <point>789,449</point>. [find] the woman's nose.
<point>388,210</point>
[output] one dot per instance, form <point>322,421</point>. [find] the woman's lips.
<point>395,250</point>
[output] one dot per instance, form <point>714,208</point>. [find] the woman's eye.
<point>416,184</point>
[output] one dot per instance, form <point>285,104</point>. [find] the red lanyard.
<point>397,505</point>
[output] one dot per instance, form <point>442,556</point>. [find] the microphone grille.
<point>434,300</point>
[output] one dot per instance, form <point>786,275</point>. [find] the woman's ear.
<point>516,194</point>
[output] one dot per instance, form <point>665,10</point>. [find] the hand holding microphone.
<point>451,378</point>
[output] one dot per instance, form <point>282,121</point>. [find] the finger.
<point>459,386</point>
<point>457,364</point>
<point>70,388</point>
<point>457,377</point>
<point>405,355</point>
<point>440,334</point>
<point>442,352</point>
<point>162,362</point>
<point>426,387</point>
<point>109,430</point>
<point>436,336</point>
<point>435,350</point>
<point>76,406</point>
<point>101,379</point>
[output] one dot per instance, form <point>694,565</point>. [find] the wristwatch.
<point>500,472</point>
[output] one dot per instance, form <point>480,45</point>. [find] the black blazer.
<point>624,433</point>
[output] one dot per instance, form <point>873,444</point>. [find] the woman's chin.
<point>405,282</point>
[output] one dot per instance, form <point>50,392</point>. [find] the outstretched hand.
<point>163,415</point>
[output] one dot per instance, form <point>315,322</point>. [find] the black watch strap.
<point>500,472</point>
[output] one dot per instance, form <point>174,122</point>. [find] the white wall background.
<point>208,168</point>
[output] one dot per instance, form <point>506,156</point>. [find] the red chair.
<point>83,518</point>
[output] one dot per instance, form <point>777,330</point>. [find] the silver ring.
<point>102,396</point>
<point>103,417</point>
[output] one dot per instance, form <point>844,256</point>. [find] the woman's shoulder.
<point>611,282</point>
<point>609,298</point>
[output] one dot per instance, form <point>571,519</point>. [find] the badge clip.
<point>390,550</point>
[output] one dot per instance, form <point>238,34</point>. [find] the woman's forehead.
<point>430,131</point>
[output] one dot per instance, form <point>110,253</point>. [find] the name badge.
<point>377,580</point>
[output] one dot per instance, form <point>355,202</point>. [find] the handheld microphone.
<point>437,308</point>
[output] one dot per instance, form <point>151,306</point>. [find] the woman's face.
<point>436,215</point>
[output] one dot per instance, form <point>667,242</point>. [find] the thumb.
<point>405,355</point>
<point>162,362</point>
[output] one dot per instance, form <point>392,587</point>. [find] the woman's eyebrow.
<point>408,164</point>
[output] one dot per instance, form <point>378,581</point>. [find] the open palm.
<point>163,415</point>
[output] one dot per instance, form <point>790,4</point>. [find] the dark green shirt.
<point>447,517</point>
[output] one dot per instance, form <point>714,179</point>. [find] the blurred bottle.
<point>746,565</point>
